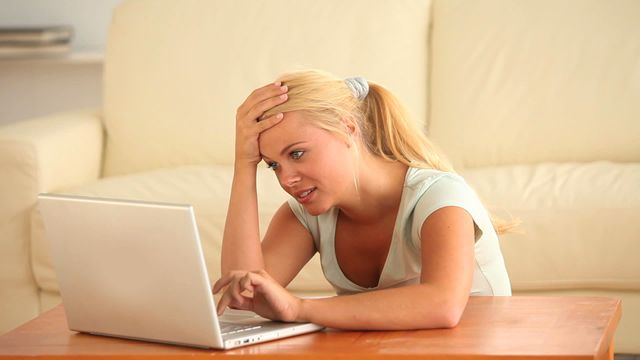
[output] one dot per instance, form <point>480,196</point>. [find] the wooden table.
<point>502,328</point>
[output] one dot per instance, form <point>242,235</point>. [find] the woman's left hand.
<point>258,292</point>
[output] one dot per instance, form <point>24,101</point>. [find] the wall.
<point>36,87</point>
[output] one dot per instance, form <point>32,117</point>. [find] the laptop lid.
<point>131,269</point>
<point>136,270</point>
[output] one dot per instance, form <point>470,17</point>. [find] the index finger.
<point>263,93</point>
<point>222,282</point>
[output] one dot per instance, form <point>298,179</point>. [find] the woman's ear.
<point>351,131</point>
<point>351,126</point>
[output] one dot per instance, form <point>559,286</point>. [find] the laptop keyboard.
<point>227,328</point>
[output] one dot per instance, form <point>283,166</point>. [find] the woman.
<point>398,232</point>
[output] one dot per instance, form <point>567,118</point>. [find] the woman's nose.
<point>290,179</point>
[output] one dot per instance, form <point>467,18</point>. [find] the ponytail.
<point>388,133</point>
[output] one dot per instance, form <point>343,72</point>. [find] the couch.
<point>536,103</point>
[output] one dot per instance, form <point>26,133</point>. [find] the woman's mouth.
<point>306,195</point>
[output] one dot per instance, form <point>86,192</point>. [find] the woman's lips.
<point>305,195</point>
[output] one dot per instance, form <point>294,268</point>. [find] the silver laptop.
<point>136,270</point>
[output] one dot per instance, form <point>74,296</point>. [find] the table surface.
<point>515,327</point>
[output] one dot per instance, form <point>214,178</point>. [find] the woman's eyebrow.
<point>286,148</point>
<point>290,146</point>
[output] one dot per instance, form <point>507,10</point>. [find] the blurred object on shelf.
<point>27,42</point>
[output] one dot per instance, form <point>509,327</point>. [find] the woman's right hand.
<point>249,123</point>
<point>257,291</point>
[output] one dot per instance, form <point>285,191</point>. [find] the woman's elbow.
<point>450,315</point>
<point>443,310</point>
<point>442,318</point>
<point>451,318</point>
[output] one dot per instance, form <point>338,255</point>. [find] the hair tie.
<point>359,86</point>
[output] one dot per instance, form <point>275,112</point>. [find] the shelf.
<point>74,57</point>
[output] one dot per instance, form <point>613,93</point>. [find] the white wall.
<point>31,88</point>
<point>89,18</point>
<point>38,88</point>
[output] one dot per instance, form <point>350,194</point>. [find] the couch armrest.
<point>53,152</point>
<point>38,155</point>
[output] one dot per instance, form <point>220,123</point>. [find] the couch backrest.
<point>516,81</point>
<point>175,71</point>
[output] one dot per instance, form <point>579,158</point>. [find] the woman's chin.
<point>315,210</point>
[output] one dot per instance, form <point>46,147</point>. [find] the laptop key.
<point>231,328</point>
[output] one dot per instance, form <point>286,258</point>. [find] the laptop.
<point>136,270</point>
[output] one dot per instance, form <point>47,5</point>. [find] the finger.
<point>256,280</point>
<point>263,284</point>
<point>269,122</point>
<point>222,282</point>
<point>230,298</point>
<point>247,294</point>
<point>247,304</point>
<point>261,94</point>
<point>218,286</point>
<point>229,301</point>
<point>236,292</point>
<point>269,88</point>
<point>246,286</point>
<point>265,105</point>
<point>223,303</point>
<point>226,279</point>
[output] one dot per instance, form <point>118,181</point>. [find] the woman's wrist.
<point>305,310</point>
<point>245,165</point>
<point>244,174</point>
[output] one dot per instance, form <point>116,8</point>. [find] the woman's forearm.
<point>241,249</point>
<point>411,307</point>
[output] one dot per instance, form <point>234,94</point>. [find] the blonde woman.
<point>403,239</point>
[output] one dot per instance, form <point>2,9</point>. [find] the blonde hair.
<point>383,122</point>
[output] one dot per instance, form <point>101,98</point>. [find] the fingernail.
<point>277,83</point>
<point>279,116</point>
<point>284,87</point>
<point>283,96</point>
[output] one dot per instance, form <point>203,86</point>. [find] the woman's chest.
<point>362,251</point>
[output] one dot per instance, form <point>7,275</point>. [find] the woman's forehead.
<point>293,124</point>
<point>293,128</point>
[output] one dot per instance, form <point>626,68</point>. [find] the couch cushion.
<point>522,82</point>
<point>579,227</point>
<point>207,189</point>
<point>175,72</point>
<point>579,222</point>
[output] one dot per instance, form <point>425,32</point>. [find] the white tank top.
<point>425,191</point>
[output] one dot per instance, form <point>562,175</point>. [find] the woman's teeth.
<point>304,194</point>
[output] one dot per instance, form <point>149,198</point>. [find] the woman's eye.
<point>296,154</point>
<point>272,165</point>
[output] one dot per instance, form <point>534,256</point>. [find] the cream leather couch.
<point>536,102</point>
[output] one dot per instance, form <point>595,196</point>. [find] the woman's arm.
<point>286,248</point>
<point>447,245</point>
<point>286,238</point>
<point>241,240</point>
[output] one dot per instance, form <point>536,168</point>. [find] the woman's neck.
<point>380,186</point>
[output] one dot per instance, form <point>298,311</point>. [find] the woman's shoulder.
<point>430,190</point>
<point>419,178</point>
<point>437,188</point>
